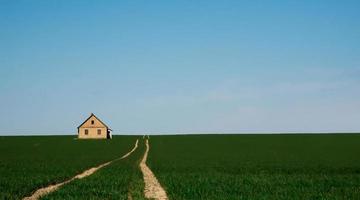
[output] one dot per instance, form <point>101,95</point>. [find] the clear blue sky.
<point>180,66</point>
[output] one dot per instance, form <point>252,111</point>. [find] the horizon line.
<point>199,133</point>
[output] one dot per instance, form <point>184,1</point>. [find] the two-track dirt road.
<point>152,190</point>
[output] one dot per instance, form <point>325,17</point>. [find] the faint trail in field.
<point>153,189</point>
<point>130,152</point>
<point>129,196</point>
<point>51,188</point>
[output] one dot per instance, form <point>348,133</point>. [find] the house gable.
<point>93,122</point>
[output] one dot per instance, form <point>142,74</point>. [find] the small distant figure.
<point>94,128</point>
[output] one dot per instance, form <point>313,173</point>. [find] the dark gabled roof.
<point>92,114</point>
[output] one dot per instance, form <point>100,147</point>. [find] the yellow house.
<point>94,128</point>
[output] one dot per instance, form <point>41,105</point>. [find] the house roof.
<point>92,114</point>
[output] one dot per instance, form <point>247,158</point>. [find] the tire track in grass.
<point>51,188</point>
<point>153,189</point>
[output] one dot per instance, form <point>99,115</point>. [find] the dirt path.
<point>51,188</point>
<point>153,189</point>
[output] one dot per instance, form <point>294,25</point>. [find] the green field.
<point>188,167</point>
<point>28,163</point>
<point>258,166</point>
<point>117,181</point>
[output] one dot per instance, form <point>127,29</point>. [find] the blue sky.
<point>180,66</point>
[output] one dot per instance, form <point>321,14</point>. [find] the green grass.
<point>115,181</point>
<point>257,166</point>
<point>28,163</point>
<point>188,167</point>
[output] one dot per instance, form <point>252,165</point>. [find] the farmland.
<point>117,181</point>
<point>258,166</point>
<point>300,166</point>
<point>27,163</point>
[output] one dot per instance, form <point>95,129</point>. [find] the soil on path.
<point>153,189</point>
<point>51,188</point>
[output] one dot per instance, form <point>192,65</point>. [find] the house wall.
<point>92,133</point>
<point>92,129</point>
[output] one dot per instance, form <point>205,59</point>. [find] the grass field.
<point>27,163</point>
<point>258,166</point>
<point>190,167</point>
<point>117,181</point>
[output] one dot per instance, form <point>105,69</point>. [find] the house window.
<point>99,131</point>
<point>92,121</point>
<point>86,132</point>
